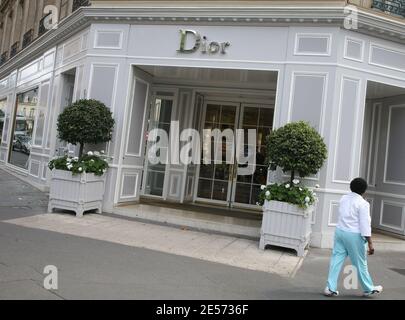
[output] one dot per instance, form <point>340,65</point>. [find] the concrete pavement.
<point>227,250</point>
<point>92,268</point>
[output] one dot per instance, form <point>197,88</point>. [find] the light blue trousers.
<point>353,245</point>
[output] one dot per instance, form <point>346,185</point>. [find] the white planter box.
<point>286,225</point>
<point>78,193</point>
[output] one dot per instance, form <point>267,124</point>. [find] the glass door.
<point>160,118</point>
<point>215,179</point>
<point>246,188</point>
<point>221,183</point>
<point>23,127</point>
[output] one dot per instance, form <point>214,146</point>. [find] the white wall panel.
<point>103,81</point>
<point>347,126</point>
<point>308,99</point>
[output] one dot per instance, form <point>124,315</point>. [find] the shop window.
<point>3,105</point>
<point>23,127</point>
<point>41,112</point>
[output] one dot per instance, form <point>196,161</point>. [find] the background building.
<point>22,21</point>
<point>285,61</point>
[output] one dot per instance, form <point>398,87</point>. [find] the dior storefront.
<point>218,68</point>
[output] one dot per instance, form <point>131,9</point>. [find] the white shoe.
<point>376,291</point>
<point>329,293</point>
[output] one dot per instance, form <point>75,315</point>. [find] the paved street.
<point>91,268</point>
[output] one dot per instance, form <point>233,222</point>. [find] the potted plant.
<point>299,150</point>
<point>78,182</point>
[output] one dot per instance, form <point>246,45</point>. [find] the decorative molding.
<point>325,76</point>
<point>338,129</point>
<point>376,120</point>
<point>388,49</point>
<point>175,185</point>
<point>119,33</point>
<point>393,204</point>
<point>300,36</point>
<point>362,47</point>
<point>387,147</point>
<point>135,194</point>
<point>331,205</point>
<point>333,15</point>
<point>114,66</point>
<point>36,162</point>
<point>144,115</point>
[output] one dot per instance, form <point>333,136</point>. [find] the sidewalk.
<point>109,257</point>
<point>227,250</point>
<point>25,206</point>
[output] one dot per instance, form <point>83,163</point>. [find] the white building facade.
<point>253,68</point>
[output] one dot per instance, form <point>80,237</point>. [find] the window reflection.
<point>23,128</point>
<point>2,117</point>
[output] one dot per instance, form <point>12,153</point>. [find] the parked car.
<point>22,143</point>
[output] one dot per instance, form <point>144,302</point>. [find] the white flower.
<point>267,193</point>
<point>96,153</point>
<point>317,186</point>
<point>105,170</point>
<point>263,187</point>
<point>69,167</point>
<point>92,161</point>
<point>296,181</point>
<point>76,159</point>
<point>287,186</point>
<point>307,199</point>
<point>102,151</point>
<point>300,189</point>
<point>90,153</point>
<point>80,169</point>
<point>314,194</point>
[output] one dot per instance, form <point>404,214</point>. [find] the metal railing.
<point>395,7</point>
<point>3,57</point>
<point>28,38</point>
<point>80,3</point>
<point>14,49</point>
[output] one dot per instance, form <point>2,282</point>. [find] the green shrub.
<point>293,193</point>
<point>85,121</point>
<point>90,163</point>
<point>296,148</point>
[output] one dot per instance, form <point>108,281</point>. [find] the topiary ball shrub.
<point>297,148</point>
<point>86,121</point>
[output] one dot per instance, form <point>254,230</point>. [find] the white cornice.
<point>369,22</point>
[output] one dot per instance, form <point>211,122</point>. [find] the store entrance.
<point>383,151</point>
<point>197,100</point>
<point>223,183</point>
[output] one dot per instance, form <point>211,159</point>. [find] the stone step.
<point>193,220</point>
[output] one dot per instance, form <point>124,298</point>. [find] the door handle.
<point>235,175</point>
<point>231,170</point>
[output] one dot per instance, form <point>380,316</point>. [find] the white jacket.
<point>354,214</point>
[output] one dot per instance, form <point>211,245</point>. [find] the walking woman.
<point>352,233</point>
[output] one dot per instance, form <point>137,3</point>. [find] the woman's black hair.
<point>359,186</point>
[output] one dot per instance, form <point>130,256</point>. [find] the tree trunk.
<point>81,149</point>
<point>292,175</point>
